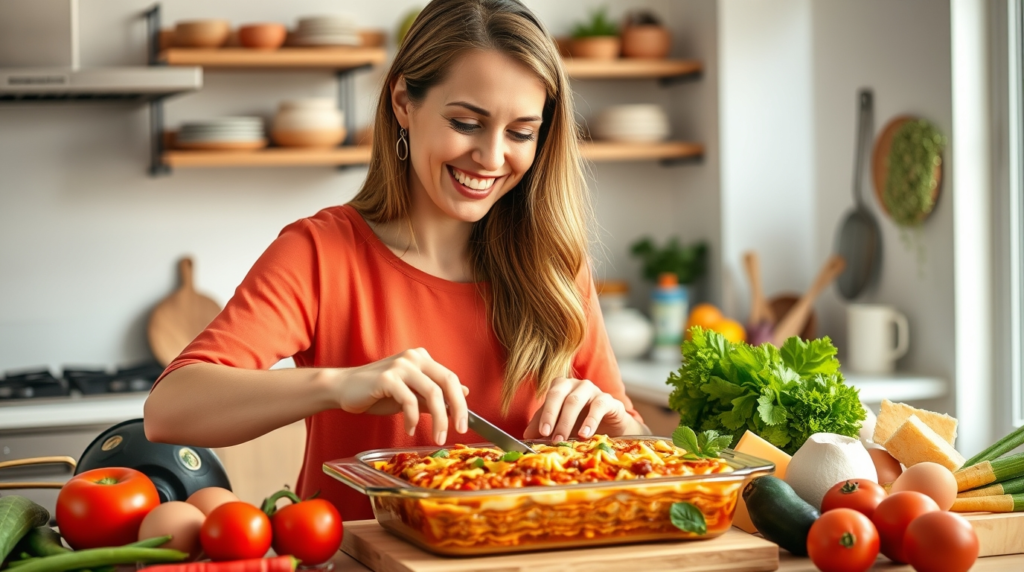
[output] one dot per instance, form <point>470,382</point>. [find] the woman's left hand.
<point>577,406</point>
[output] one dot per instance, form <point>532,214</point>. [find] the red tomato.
<point>894,515</point>
<point>941,542</point>
<point>235,531</point>
<point>842,540</point>
<point>310,531</point>
<point>861,495</point>
<point>104,507</point>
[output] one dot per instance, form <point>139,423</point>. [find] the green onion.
<point>606,448</point>
<point>999,448</point>
<point>563,444</point>
<point>511,456</point>
<point>440,454</point>
<point>994,503</point>
<point>988,472</point>
<point>1010,487</point>
<point>477,463</point>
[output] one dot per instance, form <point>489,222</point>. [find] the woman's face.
<point>474,135</point>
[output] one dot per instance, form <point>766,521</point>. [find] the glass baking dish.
<point>471,523</point>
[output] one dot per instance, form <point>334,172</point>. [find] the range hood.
<point>39,61</point>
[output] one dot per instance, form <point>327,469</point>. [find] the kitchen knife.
<point>492,433</point>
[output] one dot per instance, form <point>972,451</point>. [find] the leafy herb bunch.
<point>784,395</point>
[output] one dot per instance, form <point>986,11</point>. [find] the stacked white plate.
<point>637,123</point>
<point>334,30</point>
<point>225,133</point>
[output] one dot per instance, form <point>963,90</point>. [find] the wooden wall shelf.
<point>625,68</point>
<point>600,151</point>
<point>360,155</point>
<point>271,157</point>
<point>343,58</point>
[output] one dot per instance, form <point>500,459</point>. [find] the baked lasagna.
<point>601,489</point>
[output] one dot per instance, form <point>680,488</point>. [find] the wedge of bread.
<point>892,415</point>
<point>915,442</point>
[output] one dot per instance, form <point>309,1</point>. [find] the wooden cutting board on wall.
<point>380,551</point>
<point>179,318</point>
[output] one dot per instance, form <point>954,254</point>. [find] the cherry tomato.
<point>843,540</point>
<point>309,530</point>
<point>104,507</point>
<point>941,542</point>
<point>894,515</point>
<point>861,495</point>
<point>235,531</point>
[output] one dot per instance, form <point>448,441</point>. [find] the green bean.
<point>96,557</point>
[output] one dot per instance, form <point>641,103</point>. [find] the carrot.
<point>275,564</point>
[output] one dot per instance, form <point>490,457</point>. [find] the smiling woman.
<point>457,277</point>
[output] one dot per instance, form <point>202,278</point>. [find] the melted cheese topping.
<point>597,459</point>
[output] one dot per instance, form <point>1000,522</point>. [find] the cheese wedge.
<point>755,446</point>
<point>915,442</point>
<point>892,415</point>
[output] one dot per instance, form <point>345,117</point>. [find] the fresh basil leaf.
<point>477,463</point>
<point>604,447</point>
<point>684,438</point>
<point>511,456</point>
<point>563,444</point>
<point>688,518</point>
<point>440,454</point>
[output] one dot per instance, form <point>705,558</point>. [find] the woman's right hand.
<point>400,383</point>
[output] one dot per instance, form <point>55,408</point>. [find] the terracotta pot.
<point>262,36</point>
<point>201,33</point>
<point>651,42</point>
<point>597,47</point>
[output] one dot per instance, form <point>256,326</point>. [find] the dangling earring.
<point>402,145</point>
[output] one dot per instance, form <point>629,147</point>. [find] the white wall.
<point>768,158</point>
<point>89,243</point>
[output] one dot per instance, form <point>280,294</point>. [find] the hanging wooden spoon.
<point>793,322</point>
<point>179,318</point>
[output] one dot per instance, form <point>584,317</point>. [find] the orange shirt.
<point>329,293</point>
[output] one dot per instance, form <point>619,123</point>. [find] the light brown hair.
<point>532,244</point>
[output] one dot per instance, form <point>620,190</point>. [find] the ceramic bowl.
<point>598,47</point>
<point>318,138</point>
<point>201,33</point>
<point>650,42</point>
<point>262,36</point>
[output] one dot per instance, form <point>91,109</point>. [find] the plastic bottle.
<point>668,310</point>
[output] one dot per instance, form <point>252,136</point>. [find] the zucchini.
<point>18,515</point>
<point>779,514</point>
<point>43,541</point>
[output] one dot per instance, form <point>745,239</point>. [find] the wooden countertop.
<point>788,563</point>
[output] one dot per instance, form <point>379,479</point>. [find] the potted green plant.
<point>596,38</point>
<point>688,263</point>
<point>645,36</point>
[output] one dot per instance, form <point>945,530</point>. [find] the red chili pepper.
<point>275,564</point>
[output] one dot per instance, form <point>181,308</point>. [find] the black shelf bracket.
<point>678,79</point>
<point>347,104</point>
<point>157,167</point>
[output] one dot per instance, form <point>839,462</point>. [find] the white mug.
<point>873,343</point>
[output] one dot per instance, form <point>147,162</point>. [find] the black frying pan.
<point>859,240</point>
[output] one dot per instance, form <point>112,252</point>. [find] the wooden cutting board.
<point>179,318</point>
<point>998,533</point>
<point>380,551</point>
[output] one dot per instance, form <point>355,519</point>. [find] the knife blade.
<point>492,433</point>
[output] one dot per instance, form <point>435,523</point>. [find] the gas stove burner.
<point>32,383</point>
<point>87,381</point>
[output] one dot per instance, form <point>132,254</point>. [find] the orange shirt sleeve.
<point>595,360</point>
<point>273,312</point>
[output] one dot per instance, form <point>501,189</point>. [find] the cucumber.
<point>18,515</point>
<point>779,514</point>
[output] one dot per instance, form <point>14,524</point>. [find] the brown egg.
<point>180,520</point>
<point>888,468</point>
<point>931,479</point>
<point>210,498</point>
